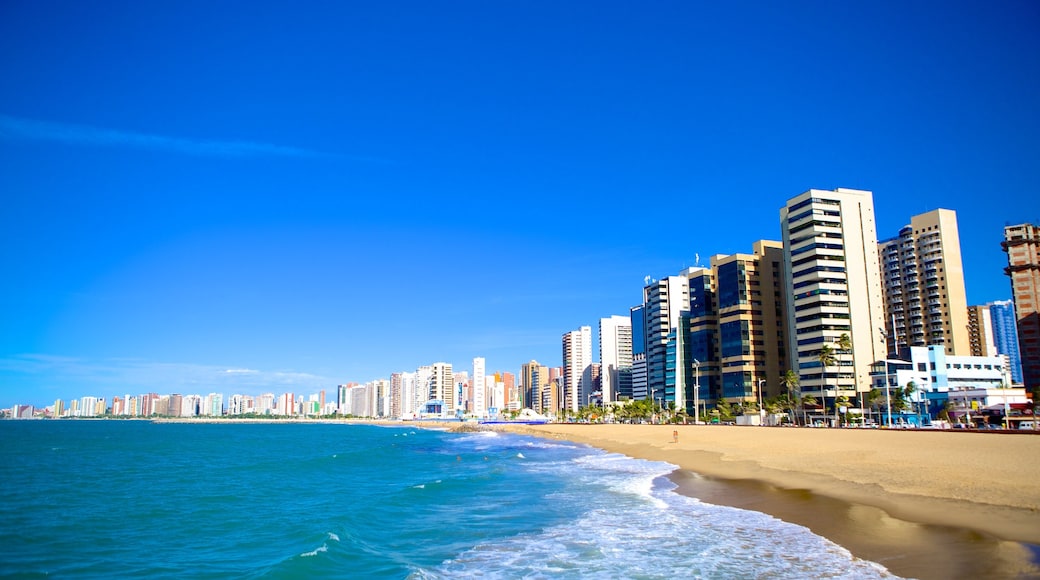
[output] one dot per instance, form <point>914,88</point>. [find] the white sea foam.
<point>520,455</point>
<point>333,536</point>
<point>634,525</point>
<point>323,548</point>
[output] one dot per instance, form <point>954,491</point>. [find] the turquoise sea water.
<point>139,499</point>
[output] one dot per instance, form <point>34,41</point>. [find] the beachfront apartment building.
<point>832,275</point>
<point>750,310</point>
<point>923,280</point>
<point>615,353</point>
<point>1022,245</point>
<point>577,368</point>
<point>664,302</point>
<point>638,382</point>
<point>441,387</point>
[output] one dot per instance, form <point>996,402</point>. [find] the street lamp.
<point>888,396</point>
<point>761,410</point>
<point>696,391</point>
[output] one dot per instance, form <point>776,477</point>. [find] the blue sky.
<point>252,196</point>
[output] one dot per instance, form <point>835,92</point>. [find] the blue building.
<point>1005,335</point>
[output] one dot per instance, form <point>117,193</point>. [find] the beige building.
<point>750,322</point>
<point>1022,244</point>
<point>925,301</point>
<point>980,331</point>
<point>534,380</point>
<point>833,279</point>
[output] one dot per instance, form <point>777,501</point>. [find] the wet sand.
<point>925,504</point>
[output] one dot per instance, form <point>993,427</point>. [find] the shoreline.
<point>907,500</point>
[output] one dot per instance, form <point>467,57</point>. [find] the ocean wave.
<point>315,552</point>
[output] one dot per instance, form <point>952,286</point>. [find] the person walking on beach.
<point>675,436</point>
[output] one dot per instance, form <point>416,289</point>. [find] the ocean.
<point>85,499</point>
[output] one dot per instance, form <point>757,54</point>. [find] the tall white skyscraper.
<point>615,352</point>
<point>664,302</point>
<point>833,279</point>
<point>577,367</point>
<point>478,388</point>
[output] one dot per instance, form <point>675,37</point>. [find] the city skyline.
<point>254,197</point>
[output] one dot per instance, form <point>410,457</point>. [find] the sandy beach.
<point>926,504</point>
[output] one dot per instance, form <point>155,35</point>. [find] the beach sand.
<point>925,504</point>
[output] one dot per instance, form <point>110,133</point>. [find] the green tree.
<point>807,400</point>
<point>873,399</point>
<point>840,402</point>
<point>790,382</point>
<point>726,411</point>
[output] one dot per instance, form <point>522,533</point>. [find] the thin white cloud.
<point>31,129</point>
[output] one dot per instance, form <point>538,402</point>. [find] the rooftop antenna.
<point>646,280</point>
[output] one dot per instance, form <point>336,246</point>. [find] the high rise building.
<point>442,387</point>
<point>749,305</point>
<point>664,302</point>
<point>535,381</point>
<point>1022,244</point>
<point>615,352</point>
<point>478,388</point>
<point>638,375</point>
<point>1005,334</point>
<point>980,331</point>
<point>577,362</point>
<point>925,300</point>
<point>833,278</point>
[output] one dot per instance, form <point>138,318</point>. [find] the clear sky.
<point>257,196</point>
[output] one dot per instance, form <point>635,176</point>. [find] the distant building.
<point>1005,333</point>
<point>615,352</point>
<point>479,390</point>
<point>639,380</point>
<point>577,362</point>
<point>442,387</point>
<point>992,331</point>
<point>1022,244</point>
<point>980,331</point>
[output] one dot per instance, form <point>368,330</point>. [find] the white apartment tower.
<point>577,368</point>
<point>478,388</point>
<point>664,301</point>
<point>833,280</point>
<point>615,352</point>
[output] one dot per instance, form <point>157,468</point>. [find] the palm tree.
<point>839,402</point>
<point>844,343</point>
<point>873,397</point>
<point>807,400</point>
<point>909,393</point>
<point>790,382</point>
<point>826,358</point>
